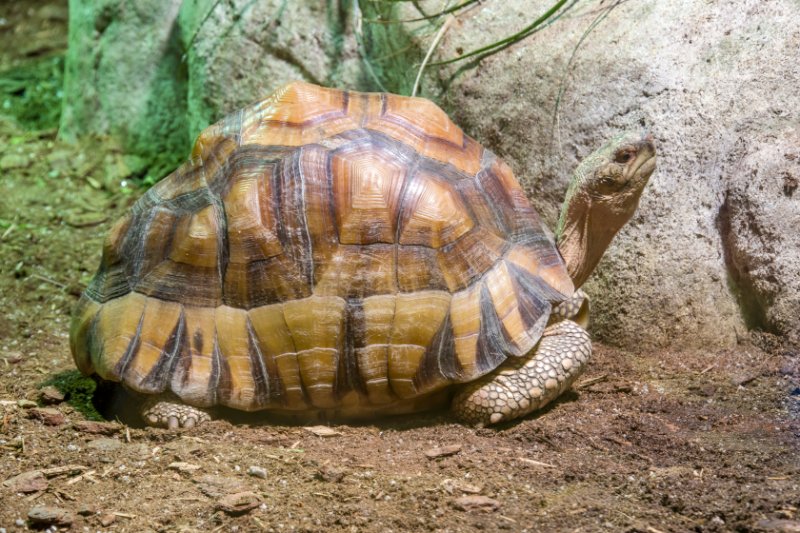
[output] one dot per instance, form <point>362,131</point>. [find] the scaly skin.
<point>575,309</point>
<point>521,386</point>
<point>171,414</point>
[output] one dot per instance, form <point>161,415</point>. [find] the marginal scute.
<point>198,367</point>
<point>241,391</point>
<point>276,345</point>
<point>156,347</point>
<point>418,317</point>
<point>81,338</point>
<point>118,328</point>
<point>503,295</point>
<point>316,325</point>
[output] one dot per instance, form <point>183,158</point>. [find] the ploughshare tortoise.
<point>335,253</point>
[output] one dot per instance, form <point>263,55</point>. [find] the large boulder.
<point>713,250</point>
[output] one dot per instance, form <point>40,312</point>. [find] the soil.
<point>652,441</point>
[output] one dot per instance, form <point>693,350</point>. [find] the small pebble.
<point>19,522</point>
<point>239,503</point>
<point>48,415</point>
<point>27,482</point>
<point>184,468</point>
<point>97,428</point>
<point>46,515</point>
<point>51,395</point>
<point>26,404</point>
<point>257,471</point>
<point>73,448</point>
<point>107,519</point>
<point>443,451</point>
<point>476,503</point>
<point>104,445</point>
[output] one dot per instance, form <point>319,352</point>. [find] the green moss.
<point>79,391</point>
<point>32,93</point>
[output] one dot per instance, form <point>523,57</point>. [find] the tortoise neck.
<point>584,232</point>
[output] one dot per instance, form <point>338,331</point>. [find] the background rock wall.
<point>714,249</point>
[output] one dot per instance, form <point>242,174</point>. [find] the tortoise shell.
<point>321,249</point>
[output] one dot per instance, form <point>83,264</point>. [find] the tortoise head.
<point>601,198</point>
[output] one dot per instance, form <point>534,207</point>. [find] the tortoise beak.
<point>645,161</point>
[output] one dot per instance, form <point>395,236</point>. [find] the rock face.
<point>714,249</point>
<point>124,77</point>
<point>154,73</point>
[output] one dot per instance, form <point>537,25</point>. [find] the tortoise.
<point>344,254</point>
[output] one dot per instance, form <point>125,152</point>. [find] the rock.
<point>97,428</point>
<point>322,431</point>
<point>239,503</point>
<point>216,486</point>
<point>184,468</point>
<point>104,445</point>
<point>758,220</point>
<point>32,481</point>
<point>107,519</point>
<point>86,510</point>
<point>26,404</point>
<point>331,474</point>
<point>710,99</point>
<point>48,415</point>
<point>50,395</point>
<point>476,503</point>
<point>65,470</point>
<point>787,526</point>
<point>451,486</point>
<point>45,515</point>
<point>257,471</point>
<point>442,451</point>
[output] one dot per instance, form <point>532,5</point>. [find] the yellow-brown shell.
<point>321,249</point>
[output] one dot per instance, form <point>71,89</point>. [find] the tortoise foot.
<point>172,415</point>
<point>521,386</point>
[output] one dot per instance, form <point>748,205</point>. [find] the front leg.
<point>521,386</point>
<point>576,308</point>
<point>160,411</point>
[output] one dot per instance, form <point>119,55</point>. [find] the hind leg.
<point>521,386</point>
<point>159,411</point>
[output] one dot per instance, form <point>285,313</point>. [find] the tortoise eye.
<point>623,156</point>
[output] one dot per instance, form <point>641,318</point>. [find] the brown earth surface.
<point>647,442</point>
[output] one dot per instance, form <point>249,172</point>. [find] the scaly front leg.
<point>521,386</point>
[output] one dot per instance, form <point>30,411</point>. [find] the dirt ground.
<point>652,441</point>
